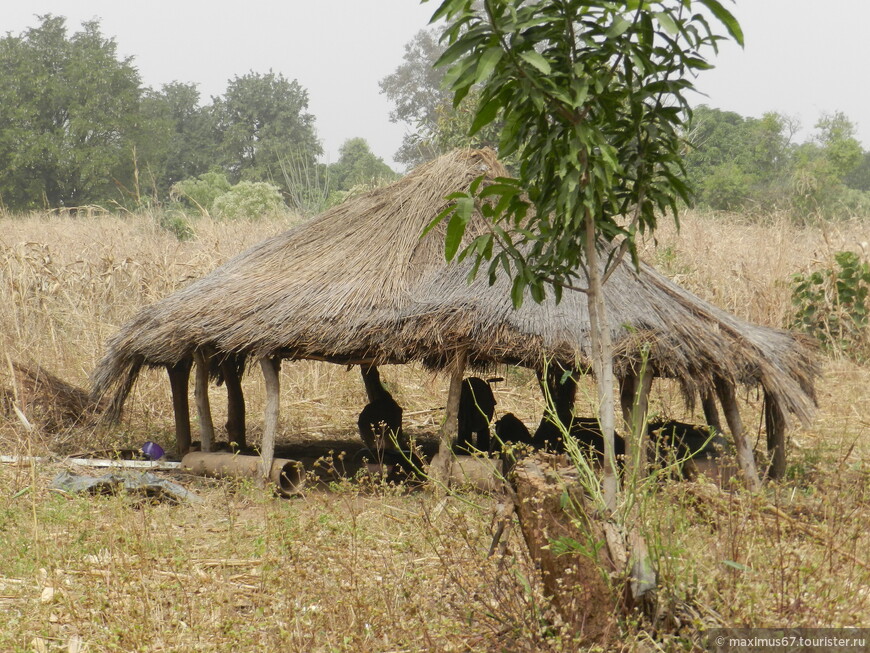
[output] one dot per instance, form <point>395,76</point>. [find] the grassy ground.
<point>365,566</point>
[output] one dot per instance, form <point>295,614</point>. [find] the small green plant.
<point>176,223</point>
<point>831,304</point>
<point>248,199</point>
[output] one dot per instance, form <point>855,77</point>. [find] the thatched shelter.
<point>358,285</point>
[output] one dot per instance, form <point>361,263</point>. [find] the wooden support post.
<point>638,417</point>
<point>711,413</point>
<point>179,375</point>
<point>203,407</point>
<point>442,463</point>
<point>271,365</point>
<point>627,393</point>
<point>774,422</point>
<point>634,397</point>
<point>235,402</point>
<point>450,428</point>
<point>745,457</point>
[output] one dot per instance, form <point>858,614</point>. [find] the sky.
<point>802,58</point>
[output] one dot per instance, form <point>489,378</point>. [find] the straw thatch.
<point>358,284</point>
<point>47,399</point>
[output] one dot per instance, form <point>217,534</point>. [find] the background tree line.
<point>734,163</point>
<point>753,164</point>
<point>78,128</point>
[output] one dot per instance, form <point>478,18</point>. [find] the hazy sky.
<point>802,57</point>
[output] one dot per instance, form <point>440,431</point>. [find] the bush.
<point>832,305</point>
<point>248,199</point>
<point>854,203</point>
<point>726,188</point>
<point>175,222</point>
<point>202,191</point>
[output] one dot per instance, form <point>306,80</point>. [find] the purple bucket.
<point>153,450</point>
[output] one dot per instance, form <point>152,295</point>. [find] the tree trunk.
<point>602,363</point>
<point>179,376</point>
<point>575,581</point>
<point>745,456</point>
<point>442,462</point>
<point>634,398</point>
<point>270,366</point>
<point>203,407</point>
<point>775,424</point>
<point>594,549</point>
<point>235,403</point>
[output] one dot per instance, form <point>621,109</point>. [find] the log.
<point>179,376</point>
<point>271,366</point>
<point>745,455</point>
<point>203,407</point>
<point>288,476</point>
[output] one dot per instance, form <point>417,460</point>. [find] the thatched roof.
<point>358,284</point>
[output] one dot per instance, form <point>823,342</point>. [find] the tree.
<point>734,161</point>
<point>177,137</point>
<point>416,91</point>
<point>358,165</point>
<point>737,162</point>
<point>836,134</point>
<point>859,177</point>
<point>249,199</point>
<point>718,156</point>
<point>421,101</point>
<point>202,191</point>
<point>593,99</point>
<point>592,96</point>
<point>68,108</point>
<point>262,121</point>
<point>770,144</point>
<point>825,169</point>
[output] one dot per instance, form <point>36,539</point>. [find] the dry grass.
<point>369,567</point>
<point>344,570</point>
<point>746,266</point>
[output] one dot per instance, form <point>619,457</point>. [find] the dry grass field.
<point>366,566</point>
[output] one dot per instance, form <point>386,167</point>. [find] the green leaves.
<point>487,63</point>
<point>486,113</point>
<point>726,18</point>
<point>533,58</point>
<point>668,23</point>
<point>833,305</point>
<point>69,108</point>
<point>592,98</point>
<point>463,209</point>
